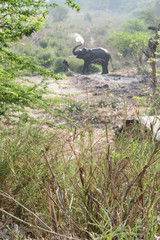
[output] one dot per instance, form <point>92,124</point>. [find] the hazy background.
<point>96,22</point>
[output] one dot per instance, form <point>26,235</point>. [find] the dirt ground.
<point>108,100</point>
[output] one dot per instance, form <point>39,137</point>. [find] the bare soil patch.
<point>101,100</point>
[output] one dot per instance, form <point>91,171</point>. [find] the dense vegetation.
<point>63,184</point>
<point>19,19</point>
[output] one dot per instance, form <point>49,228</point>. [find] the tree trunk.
<point>153,65</point>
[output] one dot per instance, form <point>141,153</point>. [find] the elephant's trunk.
<point>74,49</point>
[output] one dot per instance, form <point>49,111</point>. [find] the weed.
<point>112,193</point>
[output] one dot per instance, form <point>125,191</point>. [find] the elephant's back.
<point>100,51</point>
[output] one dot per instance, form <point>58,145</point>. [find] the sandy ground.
<point>109,99</point>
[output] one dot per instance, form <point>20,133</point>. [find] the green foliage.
<point>75,65</point>
<point>19,19</point>
<point>73,5</point>
<point>43,43</point>
<point>27,18</point>
<point>101,31</point>
<point>95,68</point>
<point>14,93</point>
<point>135,25</point>
<point>131,44</point>
<point>46,57</point>
<point>149,16</point>
<point>58,65</point>
<point>59,14</point>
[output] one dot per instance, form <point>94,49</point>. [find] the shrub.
<point>58,65</point>
<point>75,65</point>
<point>46,57</point>
<point>135,25</point>
<point>59,14</point>
<point>95,68</point>
<point>43,43</point>
<point>131,45</point>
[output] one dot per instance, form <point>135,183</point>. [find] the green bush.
<point>94,68</point>
<point>43,43</point>
<point>135,25</point>
<point>58,65</point>
<point>54,43</point>
<point>46,57</point>
<point>59,14</point>
<point>27,50</point>
<point>130,43</point>
<point>75,65</point>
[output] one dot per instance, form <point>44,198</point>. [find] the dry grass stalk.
<point>52,209</point>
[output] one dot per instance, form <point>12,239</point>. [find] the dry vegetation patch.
<point>90,180</point>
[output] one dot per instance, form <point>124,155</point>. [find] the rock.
<point>102,87</point>
<point>153,124</point>
<point>150,122</point>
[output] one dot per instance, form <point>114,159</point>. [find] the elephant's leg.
<point>83,70</point>
<point>105,67</point>
<point>85,67</point>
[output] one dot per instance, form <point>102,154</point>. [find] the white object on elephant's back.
<point>77,37</point>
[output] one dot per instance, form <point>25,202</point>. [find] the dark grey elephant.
<point>95,55</point>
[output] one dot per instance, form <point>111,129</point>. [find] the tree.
<point>151,51</point>
<point>135,25</point>
<point>149,17</point>
<point>131,44</point>
<point>17,19</point>
<point>59,14</point>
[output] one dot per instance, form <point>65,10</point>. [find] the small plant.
<point>76,107</point>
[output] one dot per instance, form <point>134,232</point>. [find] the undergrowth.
<point>67,183</point>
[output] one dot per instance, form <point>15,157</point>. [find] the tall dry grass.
<point>63,183</point>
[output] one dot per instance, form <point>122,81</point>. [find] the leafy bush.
<point>95,68</point>
<point>149,17</point>
<point>59,14</point>
<point>46,57</point>
<point>43,43</point>
<point>135,25</point>
<point>58,65</point>
<point>131,45</point>
<point>75,65</point>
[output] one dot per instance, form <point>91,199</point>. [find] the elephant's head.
<point>80,53</point>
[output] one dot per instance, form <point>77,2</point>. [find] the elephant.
<point>99,56</point>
